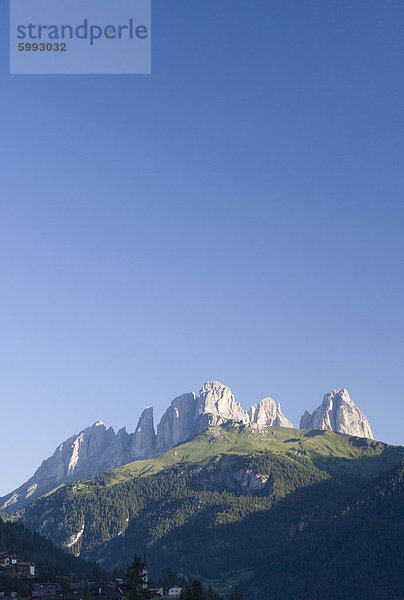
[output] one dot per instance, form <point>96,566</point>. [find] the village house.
<point>7,560</point>
<point>174,592</point>
<point>27,570</point>
<point>47,591</point>
<point>109,590</point>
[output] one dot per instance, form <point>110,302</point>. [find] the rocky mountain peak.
<point>339,413</point>
<point>217,399</point>
<point>268,413</point>
<point>216,404</point>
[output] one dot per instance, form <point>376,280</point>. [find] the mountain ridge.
<point>97,449</point>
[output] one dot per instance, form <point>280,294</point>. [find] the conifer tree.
<point>135,585</point>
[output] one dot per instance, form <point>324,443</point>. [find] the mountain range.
<point>297,514</point>
<point>97,449</point>
<point>228,495</point>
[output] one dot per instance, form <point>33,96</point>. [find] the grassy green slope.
<point>317,445</point>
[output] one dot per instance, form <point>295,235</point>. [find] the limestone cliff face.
<point>216,404</point>
<point>93,451</point>
<point>268,413</point>
<point>339,413</point>
<point>189,414</point>
<point>176,424</point>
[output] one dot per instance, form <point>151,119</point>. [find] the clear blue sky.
<point>237,215</point>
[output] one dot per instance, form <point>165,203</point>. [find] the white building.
<point>175,592</point>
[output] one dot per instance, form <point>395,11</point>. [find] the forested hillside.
<point>355,551</point>
<point>51,563</point>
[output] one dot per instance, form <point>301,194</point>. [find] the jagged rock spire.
<point>267,413</point>
<point>339,413</point>
<point>144,437</point>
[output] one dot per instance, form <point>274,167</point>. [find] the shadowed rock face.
<point>339,413</point>
<point>144,438</point>
<point>98,449</point>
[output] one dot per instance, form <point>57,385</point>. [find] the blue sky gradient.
<point>237,215</point>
